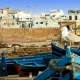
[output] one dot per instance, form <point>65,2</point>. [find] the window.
<point>41,22</point>
<point>30,25</point>
<point>46,23</point>
<point>2,12</point>
<point>70,17</point>
<point>78,26</point>
<point>62,16</point>
<point>53,15</point>
<point>36,22</point>
<point>12,23</point>
<point>0,17</point>
<point>13,17</point>
<point>23,25</point>
<point>75,17</point>
<point>27,18</point>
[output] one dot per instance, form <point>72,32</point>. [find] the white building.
<point>18,19</point>
<point>3,14</point>
<point>74,14</point>
<point>23,16</point>
<point>24,19</point>
<point>52,23</point>
<point>39,21</point>
<point>63,17</point>
<point>6,20</point>
<point>56,13</point>
<point>44,21</point>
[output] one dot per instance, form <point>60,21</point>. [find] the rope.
<point>53,66</point>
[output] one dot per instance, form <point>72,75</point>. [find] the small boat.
<point>10,61</point>
<point>29,65</point>
<point>22,64</point>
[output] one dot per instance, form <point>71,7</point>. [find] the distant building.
<point>74,25</point>
<point>74,14</point>
<point>3,14</point>
<point>24,19</point>
<point>39,21</point>
<point>56,13</point>
<point>19,19</point>
<point>7,20</point>
<point>63,17</point>
<point>48,20</point>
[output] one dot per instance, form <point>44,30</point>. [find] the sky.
<point>38,6</point>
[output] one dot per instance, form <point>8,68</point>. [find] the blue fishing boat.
<point>38,63</point>
<point>33,65</point>
<point>10,61</point>
<point>66,68</point>
<point>29,65</point>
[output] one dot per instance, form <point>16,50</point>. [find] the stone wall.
<point>28,34</point>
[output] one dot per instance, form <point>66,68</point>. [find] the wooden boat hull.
<point>24,71</point>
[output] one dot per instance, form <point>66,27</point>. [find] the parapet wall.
<point>26,34</point>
